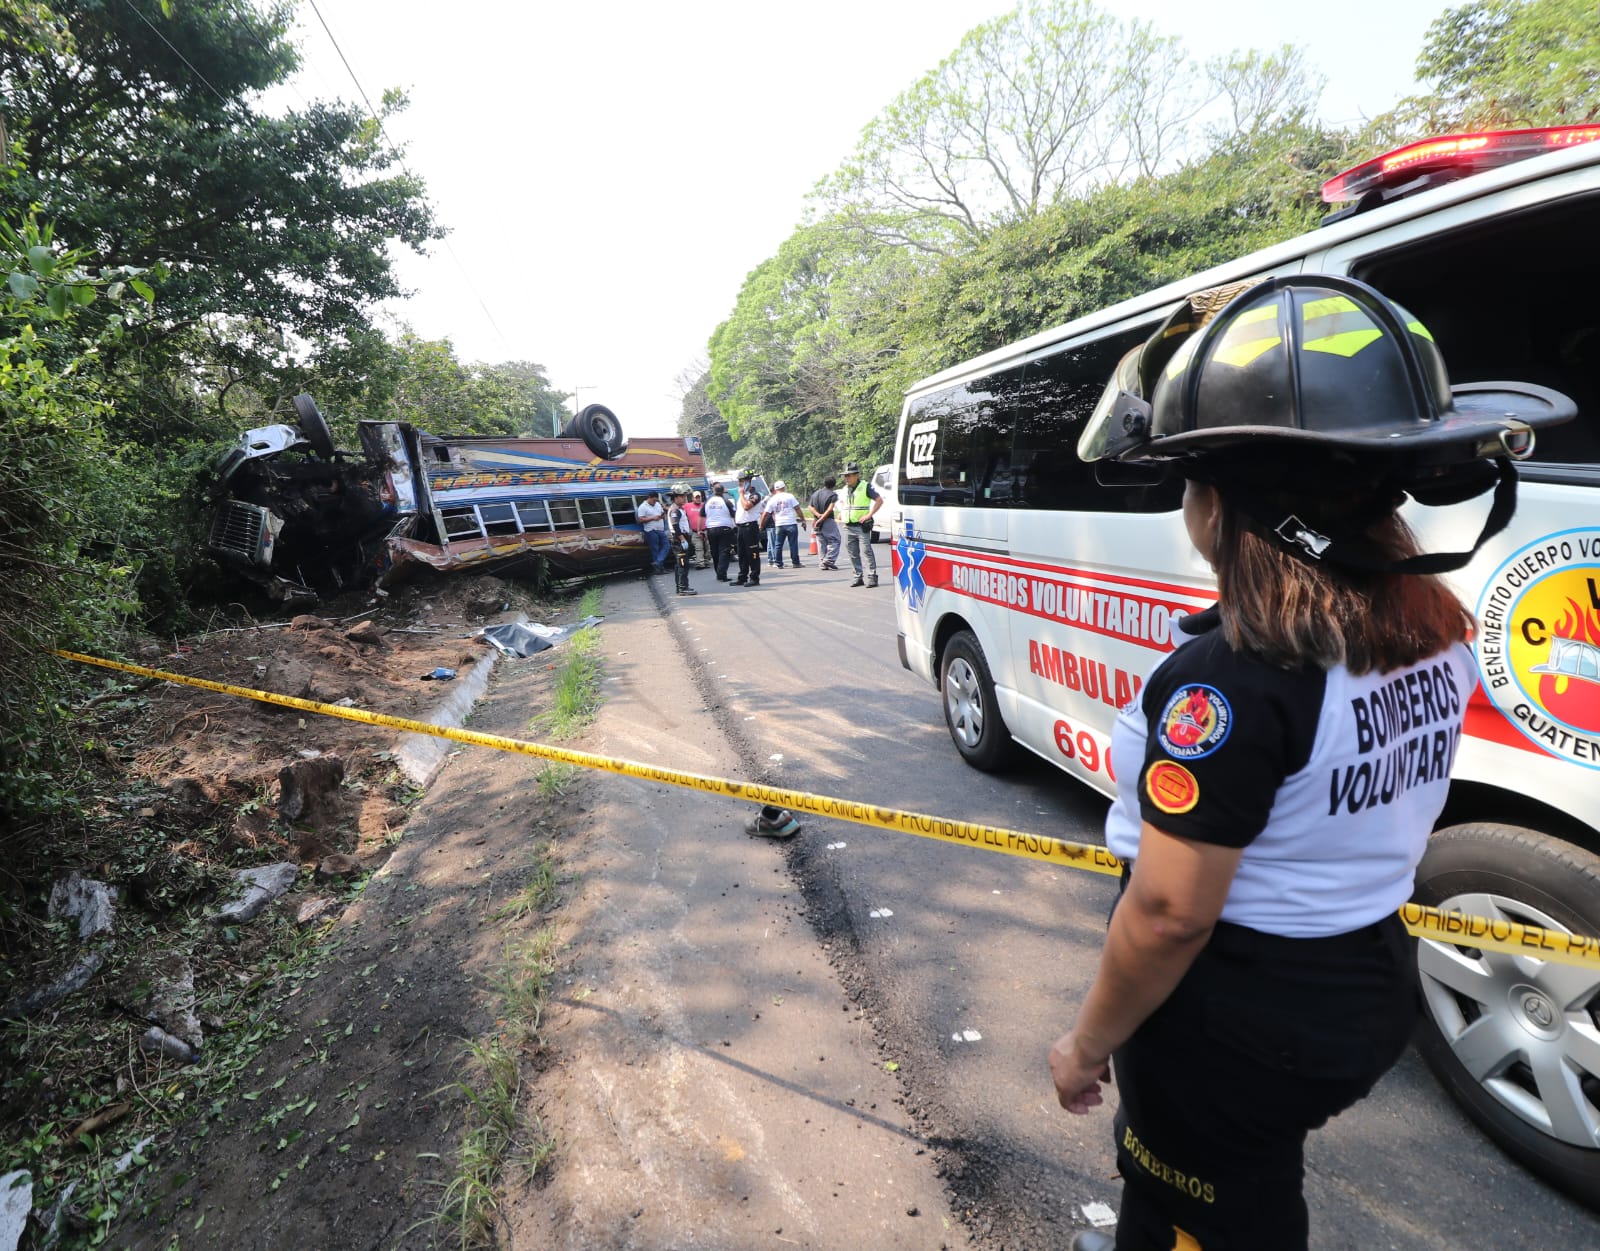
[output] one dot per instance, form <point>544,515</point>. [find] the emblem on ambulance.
<point>1538,643</point>
<point>908,577</point>
<point>1195,722</point>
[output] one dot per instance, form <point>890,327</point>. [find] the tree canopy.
<point>1061,159</point>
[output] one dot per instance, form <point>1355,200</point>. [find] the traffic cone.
<point>813,549</point>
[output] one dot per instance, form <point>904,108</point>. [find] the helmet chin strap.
<point>1351,551</point>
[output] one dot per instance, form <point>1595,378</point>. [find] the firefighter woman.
<point>1280,771</point>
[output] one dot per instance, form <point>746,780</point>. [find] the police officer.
<point>1280,771</point>
<point>858,504</point>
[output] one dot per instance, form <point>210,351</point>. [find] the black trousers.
<point>681,555</point>
<point>721,540</point>
<point>1264,1040</point>
<point>749,541</point>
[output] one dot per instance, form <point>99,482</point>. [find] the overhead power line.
<point>374,115</point>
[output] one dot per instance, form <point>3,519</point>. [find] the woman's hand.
<point>1076,1076</point>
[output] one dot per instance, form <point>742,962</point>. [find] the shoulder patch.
<point>1195,722</point>
<point>1171,787</point>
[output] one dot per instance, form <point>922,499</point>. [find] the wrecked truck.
<point>303,519</point>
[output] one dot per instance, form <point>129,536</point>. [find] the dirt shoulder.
<point>698,1076</point>
<point>713,1084</point>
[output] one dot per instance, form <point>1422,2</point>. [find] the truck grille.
<point>237,530</point>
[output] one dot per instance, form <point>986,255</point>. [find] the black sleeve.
<point>1224,733</point>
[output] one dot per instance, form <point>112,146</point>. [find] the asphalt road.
<point>970,963</point>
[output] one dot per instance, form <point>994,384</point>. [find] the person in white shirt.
<point>720,529</point>
<point>784,509</point>
<point>748,520</point>
<point>653,521</point>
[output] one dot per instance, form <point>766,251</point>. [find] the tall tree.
<point>141,136</point>
<point>1052,99</point>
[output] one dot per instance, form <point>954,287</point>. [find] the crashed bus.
<point>303,519</point>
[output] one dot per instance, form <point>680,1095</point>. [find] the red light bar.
<point>1477,151</point>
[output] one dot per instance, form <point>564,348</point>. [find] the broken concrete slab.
<point>162,992</point>
<point>16,1201</point>
<point>85,900</point>
<point>75,978</point>
<point>420,755</point>
<point>261,886</point>
<point>308,787</point>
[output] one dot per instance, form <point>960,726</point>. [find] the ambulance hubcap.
<point>963,700</point>
<point>1525,1029</point>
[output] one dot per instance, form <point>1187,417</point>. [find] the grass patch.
<point>577,688</point>
<point>538,895</point>
<point>555,780</point>
<point>498,1138</point>
<point>591,603</point>
<point>472,1199</point>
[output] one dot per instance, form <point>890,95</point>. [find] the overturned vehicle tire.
<point>600,431</point>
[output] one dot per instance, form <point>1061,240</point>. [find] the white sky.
<point>610,171</point>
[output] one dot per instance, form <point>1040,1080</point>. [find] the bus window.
<point>499,519</point>
<point>534,515</point>
<point>564,514</point>
<point>594,513</point>
<point>622,511</point>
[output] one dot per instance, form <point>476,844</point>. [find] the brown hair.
<point>1293,613</point>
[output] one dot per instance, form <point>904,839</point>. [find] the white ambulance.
<point>1034,593</point>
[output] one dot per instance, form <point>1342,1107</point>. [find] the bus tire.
<point>313,425</point>
<point>600,431</point>
<point>1527,1026</point>
<point>970,711</point>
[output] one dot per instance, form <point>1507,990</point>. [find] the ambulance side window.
<point>1511,298</point>
<point>1060,393</point>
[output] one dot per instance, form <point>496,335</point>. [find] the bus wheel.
<point>600,431</point>
<point>1516,1039</point>
<point>970,710</point>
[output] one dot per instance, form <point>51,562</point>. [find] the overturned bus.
<point>303,519</point>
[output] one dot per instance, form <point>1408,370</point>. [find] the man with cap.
<point>652,520</point>
<point>681,540</point>
<point>858,504</point>
<point>785,524</point>
<point>747,517</point>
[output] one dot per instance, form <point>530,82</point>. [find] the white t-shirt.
<point>650,516</point>
<point>748,513</point>
<point>1330,782</point>
<point>718,512</point>
<point>782,506</point>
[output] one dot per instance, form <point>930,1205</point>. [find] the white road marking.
<point>880,912</point>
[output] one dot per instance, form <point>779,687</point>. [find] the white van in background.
<point>1034,594</point>
<point>883,483</point>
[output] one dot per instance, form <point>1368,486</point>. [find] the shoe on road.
<point>872,582</point>
<point>691,592</point>
<point>772,822</point>
<point>858,582</point>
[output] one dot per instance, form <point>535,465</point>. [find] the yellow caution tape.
<point>1454,928</point>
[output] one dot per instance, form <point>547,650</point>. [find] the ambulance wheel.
<point>600,431</point>
<point>970,711</point>
<point>1514,1039</point>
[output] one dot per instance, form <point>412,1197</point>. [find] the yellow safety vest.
<point>856,503</point>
